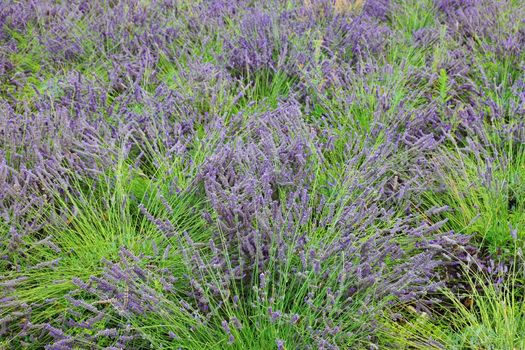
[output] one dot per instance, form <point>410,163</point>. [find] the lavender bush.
<point>308,174</point>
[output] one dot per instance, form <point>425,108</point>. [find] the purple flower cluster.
<point>289,168</point>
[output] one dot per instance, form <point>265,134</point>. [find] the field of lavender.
<point>262,174</point>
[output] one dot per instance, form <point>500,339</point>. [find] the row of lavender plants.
<point>262,174</point>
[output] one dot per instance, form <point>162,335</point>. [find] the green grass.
<point>488,317</point>
<point>96,223</point>
<point>485,192</point>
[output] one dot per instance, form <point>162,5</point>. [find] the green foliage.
<point>485,192</point>
<point>489,316</point>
